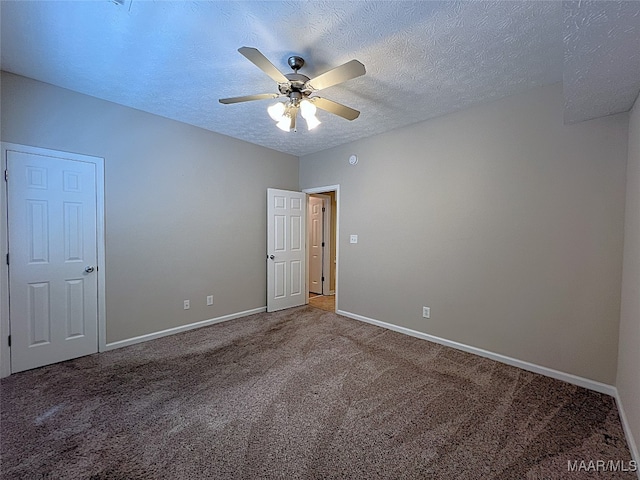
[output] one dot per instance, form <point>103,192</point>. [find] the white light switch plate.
<point>353,239</point>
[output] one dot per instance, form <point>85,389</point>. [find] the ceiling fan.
<point>299,88</point>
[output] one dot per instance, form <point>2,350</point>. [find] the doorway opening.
<point>322,247</point>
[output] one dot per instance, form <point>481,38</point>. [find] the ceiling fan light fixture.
<point>276,111</point>
<point>307,109</point>
<point>284,124</point>
<point>308,112</point>
<point>312,122</point>
<point>287,121</point>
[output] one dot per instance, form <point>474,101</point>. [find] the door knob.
<point>89,269</point>
<point>272,257</point>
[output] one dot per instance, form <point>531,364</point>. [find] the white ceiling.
<point>423,58</point>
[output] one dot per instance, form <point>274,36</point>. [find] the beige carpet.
<point>300,394</point>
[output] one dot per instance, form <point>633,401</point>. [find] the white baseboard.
<point>633,447</point>
<point>182,328</point>
<point>531,367</point>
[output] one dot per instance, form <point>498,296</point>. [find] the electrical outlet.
<point>187,305</point>
<point>353,239</point>
<point>209,299</point>
<point>426,312</point>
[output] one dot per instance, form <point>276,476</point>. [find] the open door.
<point>286,249</point>
<point>53,239</point>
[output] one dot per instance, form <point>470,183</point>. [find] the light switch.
<point>353,239</point>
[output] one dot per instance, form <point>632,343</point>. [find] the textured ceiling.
<point>601,59</point>
<point>423,58</point>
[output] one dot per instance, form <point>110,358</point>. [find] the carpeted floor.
<point>300,394</point>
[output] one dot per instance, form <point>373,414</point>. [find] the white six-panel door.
<point>53,259</point>
<point>286,249</point>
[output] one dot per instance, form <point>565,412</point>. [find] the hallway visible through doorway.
<point>327,297</point>
<point>325,302</point>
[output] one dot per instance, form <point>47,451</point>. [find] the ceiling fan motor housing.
<point>296,83</point>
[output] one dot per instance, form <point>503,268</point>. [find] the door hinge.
<point>7,259</point>
<point>9,340</point>
<point>6,175</point>
<point>323,209</point>
<point>323,244</point>
<point>323,279</point>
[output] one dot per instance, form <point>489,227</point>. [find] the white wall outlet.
<point>187,305</point>
<point>353,239</point>
<point>426,312</point>
<point>209,299</point>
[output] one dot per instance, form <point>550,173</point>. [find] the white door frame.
<point>321,190</point>
<point>5,352</point>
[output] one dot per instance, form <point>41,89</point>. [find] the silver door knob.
<point>89,269</point>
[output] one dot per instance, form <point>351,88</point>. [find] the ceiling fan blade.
<point>248,98</point>
<point>337,75</point>
<point>260,61</point>
<point>335,108</point>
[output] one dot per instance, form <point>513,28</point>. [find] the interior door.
<point>286,249</point>
<point>52,219</point>
<point>316,243</point>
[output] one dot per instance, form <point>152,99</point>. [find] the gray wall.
<point>502,219</point>
<point>505,221</point>
<point>185,207</point>
<point>628,382</point>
